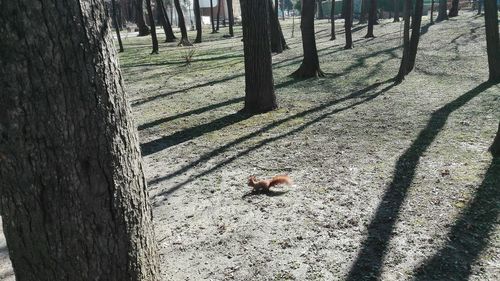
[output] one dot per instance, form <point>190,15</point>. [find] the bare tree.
<point>372,18</point>
<point>139,18</point>
<point>259,84</point>
<point>492,39</point>
<point>348,23</point>
<point>332,20</point>
<point>73,194</point>
<point>197,16</point>
<point>117,27</point>
<point>454,9</point>
<point>182,25</point>
<point>167,26</point>
<point>442,9</point>
<point>154,39</point>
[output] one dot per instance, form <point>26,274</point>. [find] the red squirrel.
<point>264,185</point>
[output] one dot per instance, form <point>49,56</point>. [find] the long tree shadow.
<point>368,264</point>
<point>218,151</point>
<point>190,133</point>
<point>469,235</point>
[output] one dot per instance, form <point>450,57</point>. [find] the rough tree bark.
<point>492,39</point>
<point>139,18</point>
<point>117,27</point>
<point>396,11</point>
<point>415,34</point>
<point>212,16</point>
<point>197,17</point>
<point>231,17</point>
<point>442,9</point>
<point>167,26</point>
<point>332,20</point>
<point>495,147</point>
<point>454,9</point>
<point>259,84</point>
<point>182,25</point>
<point>372,18</point>
<point>154,39</point>
<point>406,42</point>
<point>278,43</point>
<point>73,194</point>
<point>348,24</point>
<point>310,63</point>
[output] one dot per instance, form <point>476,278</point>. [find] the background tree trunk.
<point>73,195</point>
<point>154,39</point>
<point>396,10</point>
<point>479,6</point>
<point>372,17</point>
<point>332,20</point>
<point>364,11</point>
<point>495,147</point>
<point>182,25</point>
<point>218,14</point>
<point>406,42</point>
<point>310,63</point>
<point>139,18</point>
<point>442,15</point>
<point>415,34</point>
<point>212,16</point>
<point>432,12</point>
<point>278,43</point>
<point>259,84</point>
<point>197,17</point>
<point>231,17</point>
<point>321,15</point>
<point>167,27</point>
<point>454,9</point>
<point>492,39</point>
<point>117,27</point>
<point>348,24</point>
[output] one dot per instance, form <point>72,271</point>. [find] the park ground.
<point>391,182</point>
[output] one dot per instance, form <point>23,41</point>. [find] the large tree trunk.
<point>212,16</point>
<point>442,15</point>
<point>396,10</point>
<point>197,17</point>
<point>167,27</point>
<point>182,25</point>
<point>278,43</point>
<point>406,42</point>
<point>492,39</point>
<point>454,9</point>
<point>415,34</point>
<point>117,27</point>
<point>154,39</point>
<point>363,12</point>
<point>310,63</point>
<point>332,20</point>
<point>231,17</point>
<point>73,195</point>
<point>259,85</point>
<point>495,147</point>
<point>372,18</point>
<point>348,24</point>
<point>139,18</point>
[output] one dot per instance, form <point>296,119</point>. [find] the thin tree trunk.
<point>495,147</point>
<point>415,34</point>
<point>406,42</point>
<point>73,194</point>
<point>259,84</point>
<point>218,13</point>
<point>479,6</point>
<point>492,39</point>
<point>454,9</point>
<point>139,18</point>
<point>212,16</point>
<point>283,10</point>
<point>442,15</point>
<point>276,11</point>
<point>197,18</point>
<point>154,39</point>
<point>332,20</point>
<point>231,17</point>
<point>396,10</point>
<point>278,43</point>
<point>372,17</point>
<point>182,24</point>
<point>117,27</point>
<point>432,12</point>
<point>167,27</point>
<point>348,24</point>
<point>310,63</point>
<point>364,11</point>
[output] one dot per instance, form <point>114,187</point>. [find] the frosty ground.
<point>391,182</point>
